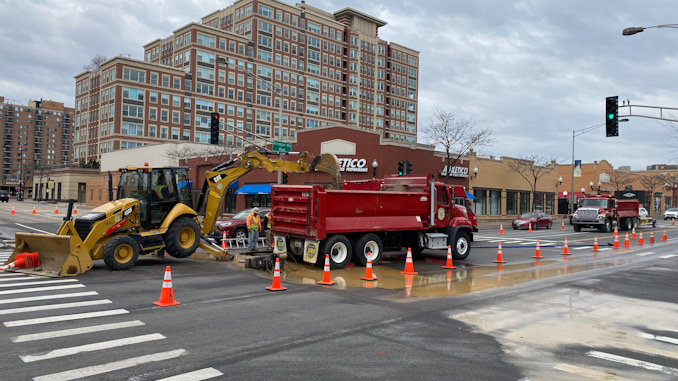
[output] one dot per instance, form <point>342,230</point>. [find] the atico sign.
<point>455,172</point>
<point>353,165</point>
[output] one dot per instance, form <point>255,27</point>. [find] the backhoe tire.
<point>121,252</point>
<point>182,237</point>
<point>367,243</point>
<point>340,251</point>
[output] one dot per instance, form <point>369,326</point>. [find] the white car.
<point>671,213</point>
<point>642,212</point>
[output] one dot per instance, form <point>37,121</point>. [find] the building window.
<point>511,203</point>
<point>524,202</point>
<point>495,202</point>
<point>479,206</point>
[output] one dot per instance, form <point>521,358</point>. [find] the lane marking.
<point>25,277</point>
<point>37,230</point>
<point>633,362</point>
<point>109,367</point>
<point>8,274</point>
<point>668,256</point>
<point>40,289</point>
<point>51,319</point>
<point>76,331</point>
<point>202,374</point>
<point>646,253</point>
<point>665,339</point>
<point>62,352</point>
<point>48,297</point>
<point>39,282</point>
<point>590,373</point>
<point>54,306</point>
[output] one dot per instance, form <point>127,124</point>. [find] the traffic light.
<point>284,178</point>
<point>611,117</point>
<point>401,167</point>
<point>408,168</point>
<point>214,128</point>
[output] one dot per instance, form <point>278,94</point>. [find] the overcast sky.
<point>532,71</point>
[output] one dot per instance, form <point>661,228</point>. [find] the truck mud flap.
<point>60,255</point>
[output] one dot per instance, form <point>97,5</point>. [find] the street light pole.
<point>637,29</point>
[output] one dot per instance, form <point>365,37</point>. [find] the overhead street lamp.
<point>637,29</point>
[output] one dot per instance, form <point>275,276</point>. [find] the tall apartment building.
<point>36,137</point>
<point>251,62</point>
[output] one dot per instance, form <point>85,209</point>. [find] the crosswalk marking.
<point>668,256</point>
<point>4,274</point>
<point>51,319</point>
<point>92,347</point>
<point>633,362</point>
<point>202,374</point>
<point>581,248</point>
<point>24,277</point>
<point>590,373</point>
<point>665,339</point>
<point>48,297</point>
<point>39,282</point>
<point>40,289</point>
<point>111,366</point>
<point>76,331</point>
<point>645,253</point>
<point>54,306</point>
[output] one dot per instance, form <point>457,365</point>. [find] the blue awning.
<point>234,185</point>
<point>470,196</point>
<point>254,189</point>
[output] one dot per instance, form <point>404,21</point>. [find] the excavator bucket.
<point>60,255</point>
<point>328,163</point>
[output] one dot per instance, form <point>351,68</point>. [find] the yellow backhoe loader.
<point>153,211</point>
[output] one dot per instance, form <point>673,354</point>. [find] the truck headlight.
<point>601,216</point>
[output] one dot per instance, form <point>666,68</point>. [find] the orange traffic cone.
<point>500,257</point>
<point>224,243</point>
<point>626,240</point>
<point>368,271</point>
<point>409,265</point>
<point>56,209</point>
<point>595,243</point>
<point>537,252</point>
<point>34,211</point>
<point>501,228</point>
<point>326,273</point>
<point>633,233</point>
<point>673,221</point>
<point>566,250</point>
<point>75,209</point>
<point>276,278</point>
<point>449,264</point>
<point>23,261</point>
<point>616,232</point>
<point>167,292</point>
<point>562,225</point>
<point>616,242</point>
<point>651,236</point>
<point>640,240</point>
<point>529,229</point>
<point>664,236</point>
<point>13,211</point>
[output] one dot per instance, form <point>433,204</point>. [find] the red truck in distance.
<point>604,212</point>
<point>363,219</point>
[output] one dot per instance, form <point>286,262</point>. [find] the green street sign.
<point>282,146</point>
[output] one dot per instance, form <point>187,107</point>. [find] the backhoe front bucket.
<point>60,255</point>
<point>328,163</point>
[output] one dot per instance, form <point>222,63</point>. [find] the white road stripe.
<point>110,367</point>
<point>645,253</point>
<point>54,306</point>
<point>48,297</point>
<point>62,352</point>
<point>202,374</point>
<point>40,289</point>
<point>668,256</point>
<point>34,229</point>
<point>51,319</point>
<point>633,362</point>
<point>8,274</point>
<point>76,331</point>
<point>39,282</point>
<point>581,248</point>
<point>24,277</point>
<point>604,249</point>
<point>590,373</point>
<point>665,339</point>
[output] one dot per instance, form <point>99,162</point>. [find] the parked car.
<point>671,213</point>
<point>4,196</point>
<point>642,212</point>
<point>535,219</point>
<point>236,226</point>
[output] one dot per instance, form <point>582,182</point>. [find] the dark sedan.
<point>536,220</point>
<point>236,226</point>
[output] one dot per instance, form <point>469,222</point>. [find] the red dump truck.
<point>604,212</point>
<point>360,221</point>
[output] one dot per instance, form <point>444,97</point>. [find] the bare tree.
<point>181,153</point>
<point>455,135</point>
<point>531,168</point>
<point>651,182</point>
<point>95,63</point>
<point>619,180</point>
<point>219,152</point>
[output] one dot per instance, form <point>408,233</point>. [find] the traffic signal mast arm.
<point>661,116</point>
<point>218,179</point>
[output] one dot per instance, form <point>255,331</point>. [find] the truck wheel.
<point>368,243</point>
<point>182,237</point>
<point>606,227</point>
<point>627,224</point>
<point>461,247</point>
<point>576,227</point>
<point>339,249</point>
<point>121,252</point>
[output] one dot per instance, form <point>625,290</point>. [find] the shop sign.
<point>455,172</point>
<point>353,165</point>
